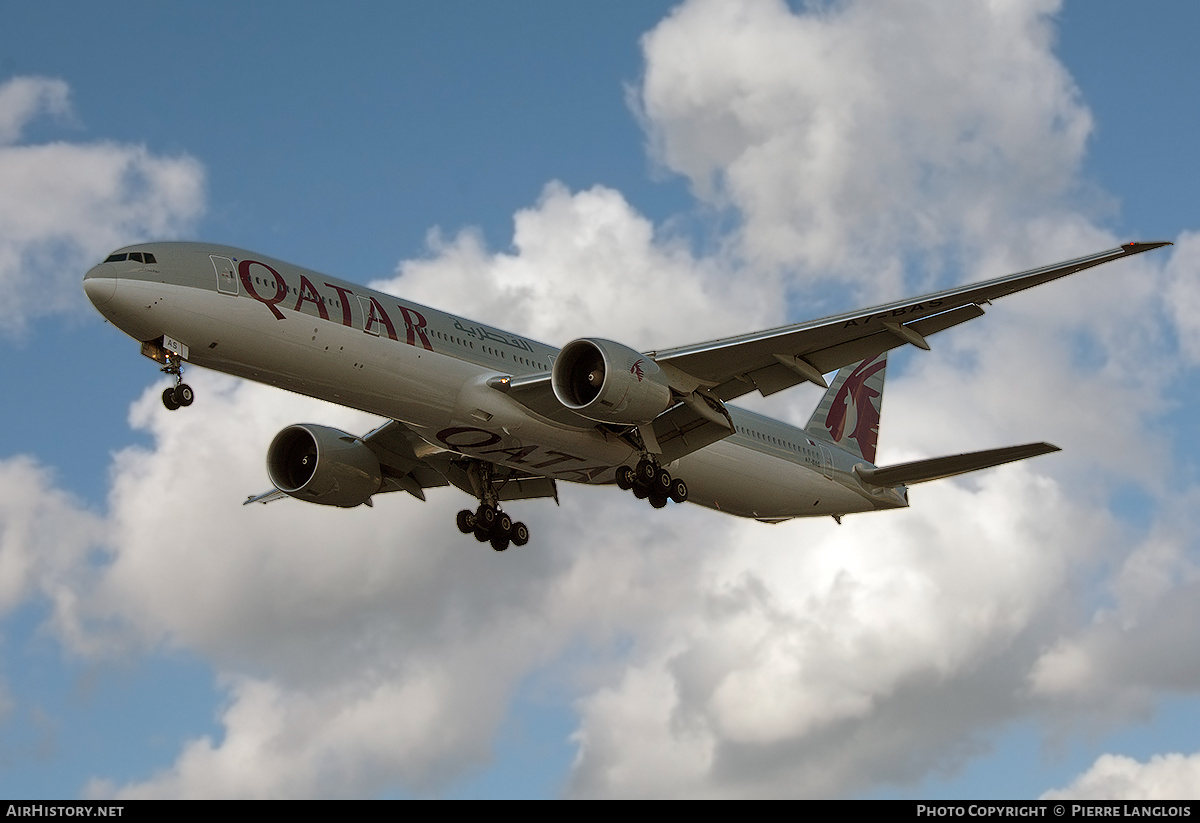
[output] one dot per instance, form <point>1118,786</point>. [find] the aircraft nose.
<point>99,285</point>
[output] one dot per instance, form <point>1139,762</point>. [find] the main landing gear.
<point>488,523</point>
<point>181,394</point>
<point>650,481</point>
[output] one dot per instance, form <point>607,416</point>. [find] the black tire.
<point>481,534</point>
<point>640,491</point>
<point>520,534</point>
<point>500,542</point>
<point>485,516</point>
<point>169,399</point>
<point>679,491</point>
<point>184,394</point>
<point>658,500</point>
<point>646,472</point>
<point>662,481</point>
<point>624,478</point>
<point>466,522</point>
<point>503,525</point>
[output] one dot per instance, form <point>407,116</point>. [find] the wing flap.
<point>834,357</point>
<point>681,430</point>
<point>511,484</point>
<point>394,444</point>
<point>937,468</point>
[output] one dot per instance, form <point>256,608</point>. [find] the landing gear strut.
<point>488,523</point>
<point>648,480</point>
<point>181,394</point>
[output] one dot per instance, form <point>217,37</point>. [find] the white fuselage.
<point>265,320</point>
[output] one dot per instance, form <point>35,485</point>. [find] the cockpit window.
<point>135,256</point>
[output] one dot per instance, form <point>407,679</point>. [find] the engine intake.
<point>610,383</point>
<point>323,465</point>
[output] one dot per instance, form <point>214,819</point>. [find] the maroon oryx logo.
<point>636,370</point>
<point>855,393</point>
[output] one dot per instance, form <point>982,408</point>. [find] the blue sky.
<point>553,168</point>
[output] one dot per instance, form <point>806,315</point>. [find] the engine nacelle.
<point>323,465</point>
<point>610,383</point>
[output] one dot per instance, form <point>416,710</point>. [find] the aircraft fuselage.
<point>265,320</point>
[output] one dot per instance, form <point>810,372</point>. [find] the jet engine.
<point>323,465</point>
<point>610,383</point>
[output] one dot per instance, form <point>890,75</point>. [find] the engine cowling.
<point>610,383</point>
<point>323,465</point>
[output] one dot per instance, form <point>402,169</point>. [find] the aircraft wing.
<point>705,375</point>
<point>776,359</point>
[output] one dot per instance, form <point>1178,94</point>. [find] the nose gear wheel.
<point>181,394</point>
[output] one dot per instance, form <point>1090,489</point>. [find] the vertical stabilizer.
<point>848,414</point>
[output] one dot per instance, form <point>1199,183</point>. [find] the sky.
<point>660,174</point>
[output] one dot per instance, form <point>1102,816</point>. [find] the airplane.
<point>504,418</point>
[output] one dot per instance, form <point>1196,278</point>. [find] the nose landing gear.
<point>181,394</point>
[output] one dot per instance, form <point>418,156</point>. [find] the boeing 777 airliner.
<point>504,418</point>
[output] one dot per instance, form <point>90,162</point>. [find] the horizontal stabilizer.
<point>265,497</point>
<point>921,471</point>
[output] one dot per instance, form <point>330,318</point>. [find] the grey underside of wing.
<point>395,445</point>
<point>407,460</point>
<point>735,366</point>
<point>922,471</point>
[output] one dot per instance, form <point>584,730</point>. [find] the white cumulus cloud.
<point>64,204</point>
<point>856,132</point>
<point>1114,777</point>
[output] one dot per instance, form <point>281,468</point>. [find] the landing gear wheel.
<point>662,482</point>
<point>466,522</point>
<point>679,491</point>
<point>503,525</point>
<point>499,541</point>
<point>640,491</point>
<point>658,500</point>
<point>168,398</point>
<point>485,517</point>
<point>482,534</point>
<point>520,534</point>
<point>646,472</point>
<point>184,394</point>
<point>624,478</point>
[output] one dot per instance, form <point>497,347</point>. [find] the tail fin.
<point>848,414</point>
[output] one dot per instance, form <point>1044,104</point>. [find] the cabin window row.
<point>776,441</point>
